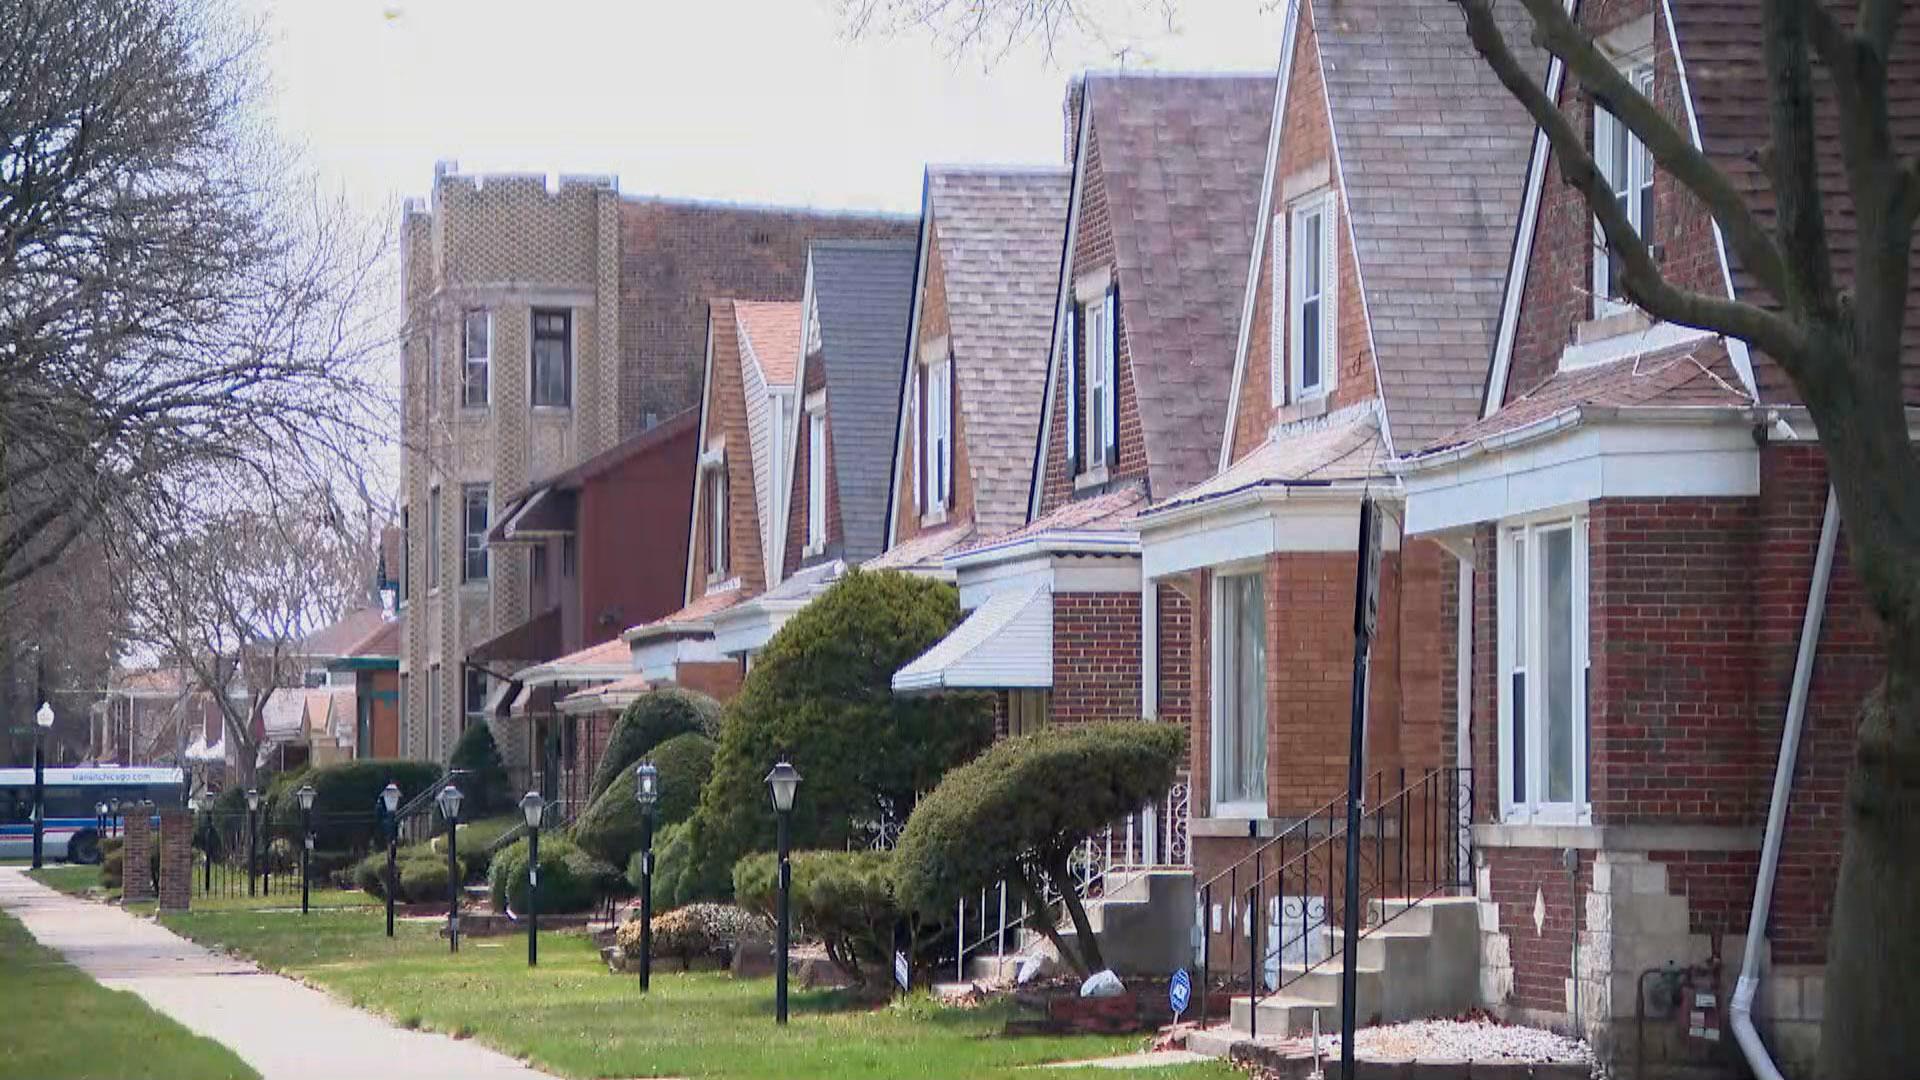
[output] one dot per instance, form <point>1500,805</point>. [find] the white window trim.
<point>1217,645</point>
<point>718,563</point>
<point>468,361</point>
<point>939,434</point>
<point>1638,69</point>
<point>1324,204</point>
<point>1277,323</point>
<point>1534,809</point>
<point>465,535</point>
<point>573,357</point>
<point>436,528</point>
<point>816,473</point>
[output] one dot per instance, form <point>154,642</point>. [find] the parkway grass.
<point>61,1025</point>
<point>571,1017</point>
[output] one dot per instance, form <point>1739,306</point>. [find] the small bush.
<point>611,826</point>
<point>486,785</point>
<point>846,899</point>
<point>423,879</point>
<point>570,879</point>
<point>476,842</point>
<point>651,720</point>
<point>694,932</point>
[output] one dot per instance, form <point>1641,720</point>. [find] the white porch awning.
<point>1005,644</point>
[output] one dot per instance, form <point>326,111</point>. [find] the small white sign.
<point>902,974</point>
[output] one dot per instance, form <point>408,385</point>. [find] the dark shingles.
<point>1000,233</point>
<point>863,291</point>
<point>1433,157</point>
<point>1181,158</point>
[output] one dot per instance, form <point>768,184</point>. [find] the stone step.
<point>1283,1014</point>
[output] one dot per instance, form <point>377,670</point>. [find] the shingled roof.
<point>863,293</point>
<point>1433,159</point>
<point>1180,160</point>
<point>1000,233</point>
<point>1720,42</point>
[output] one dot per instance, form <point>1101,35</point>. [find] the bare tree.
<point>237,589</point>
<point>169,303</point>
<point>994,29</point>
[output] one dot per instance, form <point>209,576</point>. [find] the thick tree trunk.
<point>1871,1029</point>
<point>1090,958</point>
<point>1043,922</point>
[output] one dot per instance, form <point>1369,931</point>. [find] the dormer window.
<point>816,473</point>
<point>1310,307</point>
<point>713,466</point>
<point>1627,165</point>
<point>932,404</point>
<point>1093,362</point>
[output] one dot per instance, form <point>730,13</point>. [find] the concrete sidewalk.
<point>284,1029</point>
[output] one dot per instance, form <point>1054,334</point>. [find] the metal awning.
<point>532,642</point>
<point>1005,644</point>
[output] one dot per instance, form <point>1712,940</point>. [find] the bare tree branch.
<point>1799,215</point>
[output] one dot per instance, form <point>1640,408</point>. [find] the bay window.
<point>1543,657</point>
<point>1240,696</point>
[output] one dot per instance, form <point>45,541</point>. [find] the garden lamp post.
<point>390,800</point>
<point>534,807</point>
<point>306,796</point>
<point>253,836</point>
<point>646,792</point>
<point>42,721</point>
<point>782,782</point>
<point>449,803</point>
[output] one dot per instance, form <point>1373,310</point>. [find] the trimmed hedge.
<point>653,719</point>
<point>570,879</point>
<point>1017,812</point>
<point>485,787</point>
<point>345,804</point>
<point>422,874</point>
<point>845,898</point>
<point>610,827</point>
<point>821,695</point>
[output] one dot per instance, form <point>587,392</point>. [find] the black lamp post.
<point>449,802</point>
<point>646,792</point>
<point>253,836</point>
<point>306,796</point>
<point>390,801</point>
<point>42,720</point>
<point>534,807</point>
<point>782,782</point>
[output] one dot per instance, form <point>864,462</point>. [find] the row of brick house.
<point>1132,406</point>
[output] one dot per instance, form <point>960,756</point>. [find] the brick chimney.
<point>1070,109</point>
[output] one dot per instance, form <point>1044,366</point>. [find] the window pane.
<point>1310,256</point>
<point>1557,676</point>
<point>1310,338</point>
<point>1519,736</point>
<point>1242,732</point>
<point>1522,624</point>
<point>477,343</point>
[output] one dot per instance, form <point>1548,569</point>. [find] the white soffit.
<point>1617,457</point>
<point>1006,643</point>
<point>659,660</point>
<point>1256,523</point>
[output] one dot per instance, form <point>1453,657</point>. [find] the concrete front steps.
<point>1423,963</point>
<point>1144,927</point>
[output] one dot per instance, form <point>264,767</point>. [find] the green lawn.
<point>61,1025</point>
<point>571,1017</point>
<point>74,878</point>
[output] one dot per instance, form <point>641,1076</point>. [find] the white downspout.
<point>1741,1008</point>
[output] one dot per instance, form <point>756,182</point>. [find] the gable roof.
<point>770,336</point>
<point>342,636</point>
<point>1180,159</point>
<point>1719,42</point>
<point>1000,233</point>
<point>863,294</point>
<point>1431,154</point>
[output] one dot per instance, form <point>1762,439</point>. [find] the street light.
<point>390,799</point>
<point>253,836</point>
<point>449,803</point>
<point>534,807</point>
<point>42,721</point>
<point>646,792</point>
<point>306,796</point>
<point>782,781</point>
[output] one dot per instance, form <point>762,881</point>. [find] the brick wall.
<point>136,831</point>
<point>176,858</point>
<point>1305,146</point>
<point>1542,958</point>
<point>727,426</point>
<point>718,679</point>
<point>1096,657</point>
<point>1175,654</point>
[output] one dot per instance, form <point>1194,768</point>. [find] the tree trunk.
<point>1090,958</point>
<point>1871,1030</point>
<point>1043,922</point>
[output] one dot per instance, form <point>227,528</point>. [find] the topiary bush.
<point>570,879</point>
<point>345,816</point>
<point>652,719</point>
<point>845,898</point>
<point>821,695</point>
<point>610,827</point>
<point>1017,812</point>
<point>694,932</point>
<point>485,787</point>
<point>422,875</point>
<point>680,876</point>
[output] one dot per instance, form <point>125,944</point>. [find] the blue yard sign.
<point>1180,993</point>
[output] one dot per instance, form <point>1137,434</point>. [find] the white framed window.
<point>1102,358</point>
<point>475,513</point>
<point>1627,165</point>
<point>716,514</point>
<point>477,347</point>
<point>1311,311</point>
<point>1544,669</point>
<point>552,367</point>
<point>1239,735</point>
<point>473,694</point>
<point>433,538</point>
<point>939,435</point>
<point>816,475</point>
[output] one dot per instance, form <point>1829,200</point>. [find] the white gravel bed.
<point>1459,1040</point>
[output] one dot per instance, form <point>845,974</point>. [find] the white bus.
<point>73,796</point>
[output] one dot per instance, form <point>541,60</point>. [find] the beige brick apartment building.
<point>545,323</point>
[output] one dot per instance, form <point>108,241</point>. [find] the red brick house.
<point>1652,592</point>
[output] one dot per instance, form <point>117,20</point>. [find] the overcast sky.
<point>745,100</point>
